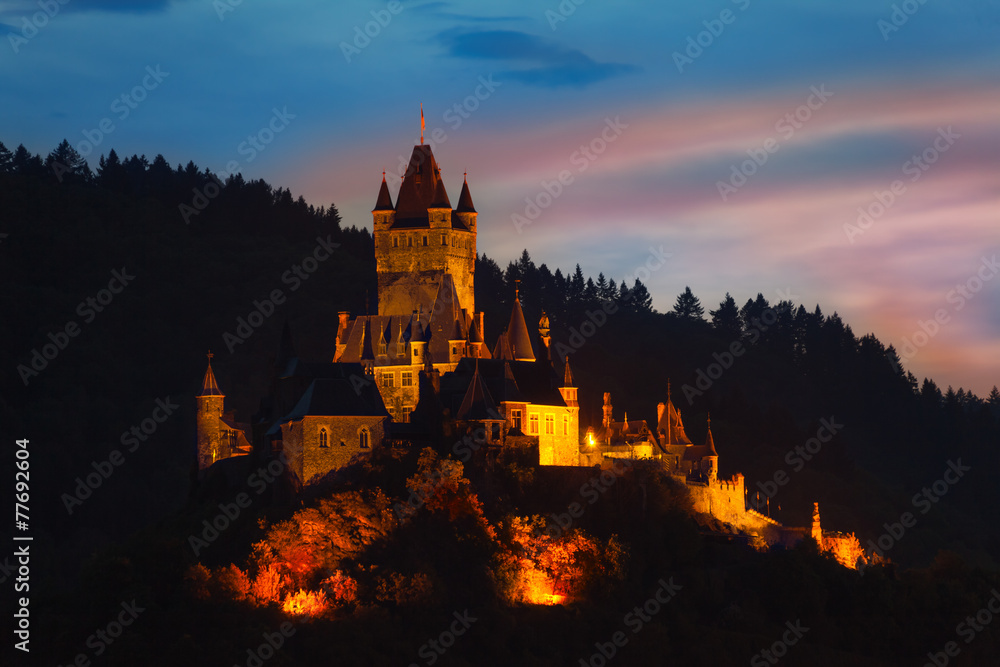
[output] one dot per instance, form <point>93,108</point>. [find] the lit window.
<point>363,438</point>
<point>565,424</point>
<point>387,379</point>
<point>406,413</point>
<point>533,424</point>
<point>322,438</point>
<point>515,419</point>
<point>381,349</point>
<point>550,425</point>
<point>406,379</point>
<point>392,413</point>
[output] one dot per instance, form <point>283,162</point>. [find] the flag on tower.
<point>422,123</point>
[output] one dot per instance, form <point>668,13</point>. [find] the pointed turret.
<point>710,441</point>
<point>568,391</point>
<point>478,404</point>
<point>384,202</point>
<point>517,334</point>
<point>465,204</point>
<point>568,374</point>
<point>440,199</point>
<point>209,387</point>
<point>208,425</point>
<point>669,425</point>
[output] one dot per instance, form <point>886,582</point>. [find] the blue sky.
<point>553,86</point>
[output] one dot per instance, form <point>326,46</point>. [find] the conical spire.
<point>465,204</point>
<point>384,202</point>
<point>709,440</point>
<point>517,334</point>
<point>568,374</point>
<point>209,387</point>
<point>440,199</point>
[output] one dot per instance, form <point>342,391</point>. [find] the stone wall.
<point>302,443</point>
<point>409,272</point>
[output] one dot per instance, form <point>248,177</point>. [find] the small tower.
<point>568,390</point>
<point>817,530</point>
<point>711,459</point>
<point>517,332</point>
<point>543,333</point>
<point>210,402</point>
<point>607,410</point>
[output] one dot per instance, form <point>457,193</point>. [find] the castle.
<point>424,356</point>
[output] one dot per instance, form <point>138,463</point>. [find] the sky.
<point>843,153</point>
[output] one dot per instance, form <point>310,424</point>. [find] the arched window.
<point>322,438</point>
<point>363,437</point>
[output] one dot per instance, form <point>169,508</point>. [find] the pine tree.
<point>726,319</point>
<point>688,306</point>
<point>6,158</point>
<point>994,398</point>
<point>642,302</point>
<point>66,163</point>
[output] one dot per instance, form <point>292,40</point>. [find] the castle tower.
<point>421,238</point>
<point>210,403</point>
<point>607,410</point>
<point>568,390</point>
<point>817,529</point>
<point>711,460</point>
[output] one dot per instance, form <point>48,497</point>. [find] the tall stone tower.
<point>210,405</point>
<point>421,239</point>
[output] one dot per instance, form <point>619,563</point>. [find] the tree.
<point>688,306</point>
<point>642,302</point>
<point>6,158</point>
<point>726,319</point>
<point>66,163</point>
<point>994,398</point>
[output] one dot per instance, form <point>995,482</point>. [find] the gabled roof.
<point>517,334</point>
<point>209,387</point>
<point>384,202</point>
<point>465,204</point>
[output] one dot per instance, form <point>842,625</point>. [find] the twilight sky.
<point>653,112</point>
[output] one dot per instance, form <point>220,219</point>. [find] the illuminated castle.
<point>424,357</point>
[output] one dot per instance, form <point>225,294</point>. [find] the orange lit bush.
<point>306,603</point>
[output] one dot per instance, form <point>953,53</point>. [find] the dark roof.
<point>477,405</point>
<point>209,387</point>
<point>384,202</point>
<point>516,381</point>
<point>710,442</point>
<point>419,189</point>
<point>670,427</point>
<point>465,204</point>
<point>568,374</point>
<point>517,334</point>
<point>440,195</point>
<point>338,397</point>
